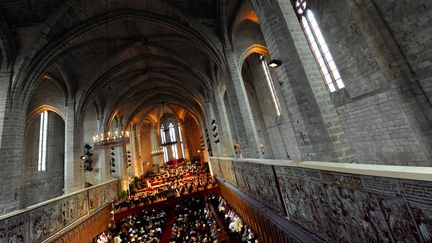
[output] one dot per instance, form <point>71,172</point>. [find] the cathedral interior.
<point>281,120</point>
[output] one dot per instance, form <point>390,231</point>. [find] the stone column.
<point>241,108</point>
<point>225,135</point>
<point>105,163</point>
<point>74,166</point>
<point>209,118</point>
<point>121,166</point>
<point>12,127</point>
<point>5,78</point>
<point>134,169</point>
<point>205,154</point>
<point>155,146</point>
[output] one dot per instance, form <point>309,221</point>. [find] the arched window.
<point>319,47</point>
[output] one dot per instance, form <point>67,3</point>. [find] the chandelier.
<point>102,139</point>
<point>157,152</point>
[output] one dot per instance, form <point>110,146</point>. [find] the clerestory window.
<point>319,47</point>
<point>43,131</point>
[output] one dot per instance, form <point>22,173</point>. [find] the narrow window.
<point>319,47</point>
<point>270,85</point>
<point>174,151</point>
<point>162,131</point>
<point>165,154</point>
<point>43,141</point>
<point>172,132</point>
<point>181,140</point>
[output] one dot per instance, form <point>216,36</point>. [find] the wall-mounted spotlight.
<point>112,160</point>
<point>274,63</point>
<point>87,157</point>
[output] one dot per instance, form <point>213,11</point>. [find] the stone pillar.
<point>105,163</point>
<point>121,165</point>
<point>225,135</point>
<point>209,118</point>
<point>5,78</point>
<point>134,169</point>
<point>74,166</point>
<point>140,155</point>
<point>104,156</point>
<point>241,108</point>
<point>12,127</point>
<point>155,146</point>
<point>205,154</point>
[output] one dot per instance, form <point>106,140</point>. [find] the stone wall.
<point>312,124</point>
<point>383,60</point>
<point>336,206</point>
<point>410,23</point>
<point>50,181</point>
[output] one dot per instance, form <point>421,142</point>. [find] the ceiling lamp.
<point>274,63</point>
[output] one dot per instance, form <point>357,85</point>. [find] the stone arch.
<point>49,95</point>
<point>258,92</point>
<point>35,113</point>
<point>255,48</point>
<point>7,47</point>
<point>42,61</point>
<point>244,12</point>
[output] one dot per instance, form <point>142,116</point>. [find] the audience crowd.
<point>168,184</point>
<point>146,227</point>
<point>194,222</point>
<point>238,230</point>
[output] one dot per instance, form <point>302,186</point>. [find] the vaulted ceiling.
<point>121,56</point>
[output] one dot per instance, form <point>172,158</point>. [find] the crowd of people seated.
<point>168,184</point>
<point>194,222</point>
<point>146,227</point>
<point>166,175</point>
<point>238,230</point>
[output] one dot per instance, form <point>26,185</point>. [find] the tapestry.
<point>227,171</point>
<point>102,195</point>
<point>354,208</point>
<point>43,221</point>
<point>258,181</point>
<point>215,167</point>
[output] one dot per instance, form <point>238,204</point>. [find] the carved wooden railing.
<point>339,202</point>
<point>38,222</point>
